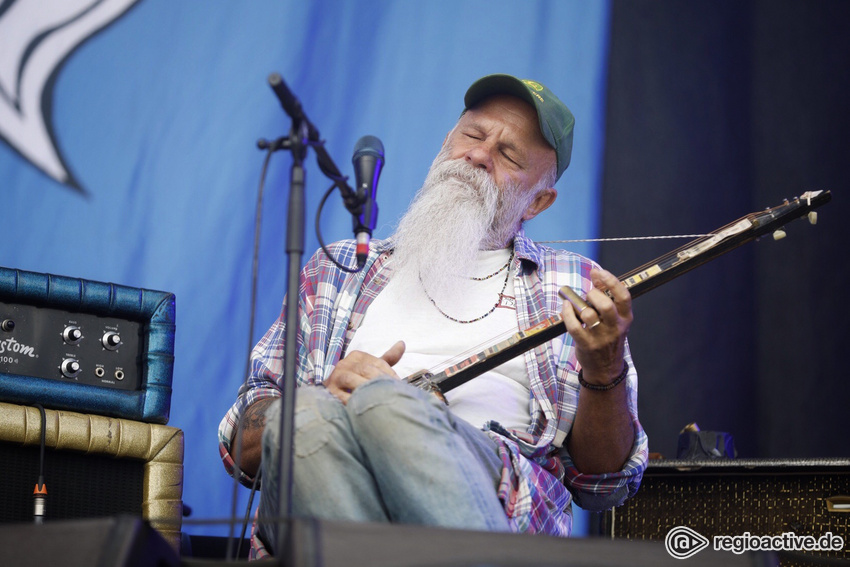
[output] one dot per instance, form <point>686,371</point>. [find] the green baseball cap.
<point>556,120</point>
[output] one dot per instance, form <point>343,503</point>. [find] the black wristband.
<point>606,387</point>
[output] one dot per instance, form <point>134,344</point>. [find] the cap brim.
<point>497,84</point>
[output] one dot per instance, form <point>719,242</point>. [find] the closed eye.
<point>513,161</point>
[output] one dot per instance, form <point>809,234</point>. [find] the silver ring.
<point>595,324</point>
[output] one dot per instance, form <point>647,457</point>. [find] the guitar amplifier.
<point>86,346</point>
<point>806,497</point>
<point>94,467</point>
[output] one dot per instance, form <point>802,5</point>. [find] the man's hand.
<point>602,435</point>
<point>600,332</point>
<point>357,368</point>
<point>352,371</point>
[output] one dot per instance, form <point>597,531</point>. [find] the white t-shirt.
<point>434,342</point>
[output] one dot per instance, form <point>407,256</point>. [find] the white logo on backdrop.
<point>36,38</point>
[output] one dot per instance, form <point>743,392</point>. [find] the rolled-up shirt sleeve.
<point>262,383</point>
<point>265,378</point>
<point>597,492</point>
<point>230,423</point>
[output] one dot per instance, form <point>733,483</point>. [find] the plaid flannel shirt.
<point>539,479</point>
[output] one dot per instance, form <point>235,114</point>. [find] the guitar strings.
<point>622,238</point>
<point>696,239</point>
<point>673,254</point>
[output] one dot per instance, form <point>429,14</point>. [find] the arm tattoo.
<point>255,415</point>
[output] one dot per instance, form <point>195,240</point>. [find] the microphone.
<point>368,159</point>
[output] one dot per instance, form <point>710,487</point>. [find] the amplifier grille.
<point>95,466</point>
<point>78,485</point>
<point>763,498</point>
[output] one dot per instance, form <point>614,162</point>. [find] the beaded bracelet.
<point>606,387</point>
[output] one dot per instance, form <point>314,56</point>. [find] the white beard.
<point>458,212</point>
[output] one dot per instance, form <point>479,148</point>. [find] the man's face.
<point>501,135</point>
<point>477,193</point>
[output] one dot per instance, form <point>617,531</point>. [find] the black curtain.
<point>715,110</point>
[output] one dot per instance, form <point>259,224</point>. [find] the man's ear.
<point>542,201</point>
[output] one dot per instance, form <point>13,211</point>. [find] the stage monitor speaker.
<point>86,346</point>
<point>732,497</point>
<point>123,541</point>
<point>95,467</point>
<point>346,544</point>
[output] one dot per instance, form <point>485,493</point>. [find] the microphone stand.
<point>302,135</point>
<point>294,252</point>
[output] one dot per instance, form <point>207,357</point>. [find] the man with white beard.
<point>514,446</point>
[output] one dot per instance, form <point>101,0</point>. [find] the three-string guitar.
<point>638,281</point>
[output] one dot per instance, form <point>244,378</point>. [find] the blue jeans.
<point>394,453</point>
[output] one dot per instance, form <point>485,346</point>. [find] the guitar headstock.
<point>774,218</point>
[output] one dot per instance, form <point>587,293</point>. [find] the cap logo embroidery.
<point>533,85</point>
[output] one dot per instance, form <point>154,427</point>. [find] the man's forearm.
<point>602,434</point>
<point>250,432</point>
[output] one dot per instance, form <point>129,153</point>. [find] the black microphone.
<point>368,159</point>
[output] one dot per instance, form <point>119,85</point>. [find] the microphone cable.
<point>237,445</point>
<point>319,233</point>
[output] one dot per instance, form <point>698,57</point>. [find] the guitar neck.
<point>639,281</point>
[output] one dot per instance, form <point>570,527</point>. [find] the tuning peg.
<point>778,234</point>
<point>813,217</point>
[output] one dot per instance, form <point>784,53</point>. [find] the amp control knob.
<point>111,340</point>
<point>72,334</point>
<point>70,367</point>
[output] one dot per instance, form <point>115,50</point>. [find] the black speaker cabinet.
<point>733,497</point>
<point>123,541</point>
<point>320,543</point>
<point>95,467</point>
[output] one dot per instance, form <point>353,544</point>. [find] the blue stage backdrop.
<point>129,132</point>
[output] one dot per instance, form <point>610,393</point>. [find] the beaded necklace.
<point>504,267</point>
<point>498,301</point>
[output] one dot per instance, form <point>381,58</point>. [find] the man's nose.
<point>480,156</point>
